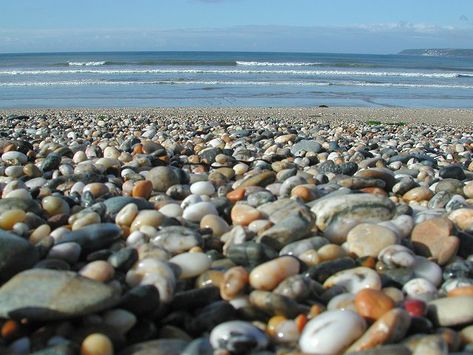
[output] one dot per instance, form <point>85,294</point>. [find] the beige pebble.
<point>96,189</point>
<point>89,218</point>
<point>367,239</point>
<point>98,270</point>
<point>55,205</point>
<point>39,233</point>
<point>216,223</point>
<point>244,214</point>
<point>269,274</point>
<point>151,218</point>
<point>331,252</point>
<point>126,215</point>
<point>96,344</point>
<point>10,217</point>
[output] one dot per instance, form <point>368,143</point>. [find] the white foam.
<point>276,64</point>
<point>445,75</point>
<point>86,64</point>
<point>232,83</point>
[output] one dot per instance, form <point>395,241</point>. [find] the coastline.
<point>443,117</point>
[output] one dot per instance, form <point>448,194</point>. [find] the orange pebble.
<point>315,310</point>
<point>461,291</point>
<point>368,261</point>
<point>10,330</point>
<point>142,189</point>
<point>304,193</point>
<point>273,323</point>
<point>236,195</point>
<point>301,321</point>
<point>138,149</point>
<point>372,304</point>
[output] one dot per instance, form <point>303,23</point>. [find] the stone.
<point>120,319</point>
<point>336,210</point>
<point>418,194</point>
<point>55,205</point>
<point>16,254</point>
<point>238,337</point>
<point>306,145</point>
<point>96,344</point>
<point>202,188</point>
<point>389,328</point>
<point>451,311</point>
<point>92,237</point>
<point>452,172</point>
<point>98,270</point>
<point>9,218</point>
<point>191,264</point>
<point>217,224</point>
<point>157,347</point>
<point>197,211</point>
<point>151,218</point>
<point>268,275</point>
<point>142,189</point>
<point>162,178</point>
<point>43,295</point>
<point>354,280</point>
<point>331,332</point>
<point>367,239</point>
<point>69,252</point>
<point>421,289</point>
<point>372,304</point>
<point>432,238</point>
<point>244,214</point>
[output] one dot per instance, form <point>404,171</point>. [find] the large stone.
<point>306,145</point>
<point>16,254</point>
<point>42,294</point>
<point>93,237</point>
<point>162,178</point>
<point>350,208</point>
<point>451,311</point>
<point>26,205</point>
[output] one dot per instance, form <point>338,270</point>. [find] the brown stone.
<point>418,194</point>
<point>432,238</point>
<point>372,304</point>
<point>142,189</point>
<point>236,195</point>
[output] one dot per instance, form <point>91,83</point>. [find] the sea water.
<point>233,79</point>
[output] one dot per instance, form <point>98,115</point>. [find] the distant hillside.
<point>439,52</point>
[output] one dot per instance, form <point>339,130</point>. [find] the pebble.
<point>96,344</point>
<point>238,337</point>
<point>183,222</point>
<point>367,239</point>
<point>331,332</point>
<point>199,210</point>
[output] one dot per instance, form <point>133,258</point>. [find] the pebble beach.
<point>236,231</point>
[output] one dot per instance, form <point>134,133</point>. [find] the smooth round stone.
<point>55,205</point>
<point>268,275</point>
<point>171,210</point>
<point>342,302</point>
<point>451,311</point>
<point>432,238</point>
<point>191,264</point>
<point>39,233</point>
<point>120,319</point>
<point>151,218</point>
<point>238,336</point>
<point>368,239</point>
<point>418,194</point>
<point>354,280</point>
<point>32,170</point>
<point>14,171</point>
<point>202,188</point>
<point>96,189</point>
<point>162,178</point>
<point>462,218</point>
<point>19,193</point>
<point>14,156</point>
<point>428,270</point>
<point>331,332</point>
<point>87,219</point>
<point>98,270</point>
<point>420,289</point>
<point>372,304</point>
<point>395,256</point>
<point>142,189</point>
<point>233,283</point>
<point>151,271</point>
<point>467,335</point>
<point>468,189</point>
<point>197,211</point>
<point>389,328</point>
<point>331,252</point>
<point>416,308</point>
<point>36,183</point>
<point>217,224</point>
<point>240,168</point>
<point>244,214</point>
<point>259,225</point>
<point>96,344</point>
<point>126,215</point>
<point>9,218</point>
<point>16,254</point>
<point>69,252</point>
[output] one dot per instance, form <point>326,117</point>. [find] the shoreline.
<point>406,116</point>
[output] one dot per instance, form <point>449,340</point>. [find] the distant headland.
<point>439,52</point>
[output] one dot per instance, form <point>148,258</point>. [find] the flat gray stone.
<point>16,254</point>
<point>42,295</point>
<point>306,145</point>
<point>93,237</point>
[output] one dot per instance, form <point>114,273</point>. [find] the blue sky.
<point>355,26</point>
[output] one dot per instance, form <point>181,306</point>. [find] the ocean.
<point>233,79</point>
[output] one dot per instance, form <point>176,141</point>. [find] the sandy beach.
<point>236,230</point>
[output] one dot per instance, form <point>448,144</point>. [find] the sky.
<point>349,26</point>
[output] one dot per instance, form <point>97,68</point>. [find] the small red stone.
<point>415,308</point>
